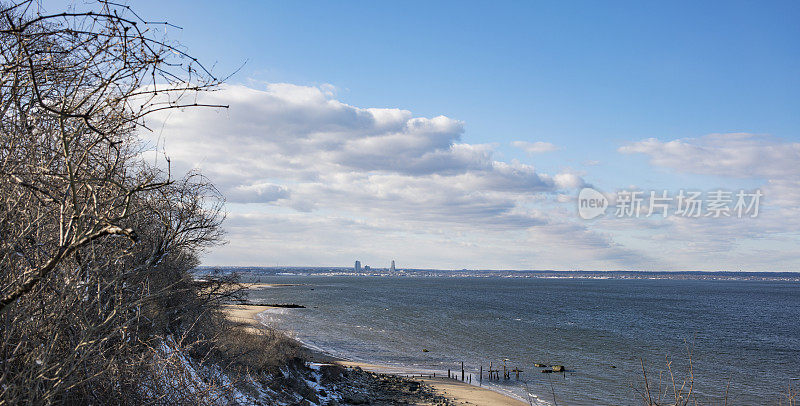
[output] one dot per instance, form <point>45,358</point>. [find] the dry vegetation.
<point>97,303</point>
<point>673,388</point>
<point>789,397</point>
<point>676,386</point>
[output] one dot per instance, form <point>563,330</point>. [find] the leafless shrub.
<point>789,397</point>
<point>96,246</point>
<point>672,387</point>
<point>677,388</point>
<point>261,350</point>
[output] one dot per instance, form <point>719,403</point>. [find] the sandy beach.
<point>457,391</point>
<point>245,314</point>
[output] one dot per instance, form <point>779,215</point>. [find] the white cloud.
<point>537,147</point>
<point>734,243</point>
<point>260,192</point>
<point>303,171</point>
<point>290,135</point>
<point>314,181</point>
<point>568,181</point>
<point>738,155</point>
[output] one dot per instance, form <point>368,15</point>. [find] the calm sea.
<point>744,336</point>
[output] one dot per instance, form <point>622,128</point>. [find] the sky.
<point>458,135</point>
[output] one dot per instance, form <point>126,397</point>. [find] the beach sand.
<point>467,394</point>
<point>457,391</point>
<point>244,314</point>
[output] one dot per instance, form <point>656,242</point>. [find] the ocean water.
<point>744,336</point>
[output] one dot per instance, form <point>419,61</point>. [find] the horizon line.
<point>696,271</point>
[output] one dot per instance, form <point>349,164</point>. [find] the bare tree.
<point>79,85</point>
<point>96,246</point>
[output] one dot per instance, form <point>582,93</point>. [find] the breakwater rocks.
<point>284,305</point>
<point>554,368</point>
<point>353,386</point>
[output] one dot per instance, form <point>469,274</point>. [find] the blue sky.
<point>590,78</point>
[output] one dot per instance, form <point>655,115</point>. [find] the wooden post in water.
<point>448,374</point>
<point>462,371</point>
<point>480,378</point>
<point>493,373</point>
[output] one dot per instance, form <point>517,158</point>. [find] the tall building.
<point>391,268</point>
<point>358,266</point>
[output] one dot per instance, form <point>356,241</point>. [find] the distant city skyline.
<point>357,266</point>
<point>462,135</point>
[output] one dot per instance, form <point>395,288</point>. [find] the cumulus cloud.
<point>314,181</point>
<point>739,155</point>
<point>260,192</point>
<point>304,169</point>
<point>734,242</point>
<point>537,147</point>
<point>271,140</point>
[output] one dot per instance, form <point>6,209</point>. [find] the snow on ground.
<point>178,375</point>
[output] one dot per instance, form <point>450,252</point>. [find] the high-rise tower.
<point>358,266</point>
<point>391,268</point>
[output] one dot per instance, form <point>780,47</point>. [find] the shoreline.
<point>455,390</point>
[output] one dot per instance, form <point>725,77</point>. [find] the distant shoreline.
<point>254,272</point>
